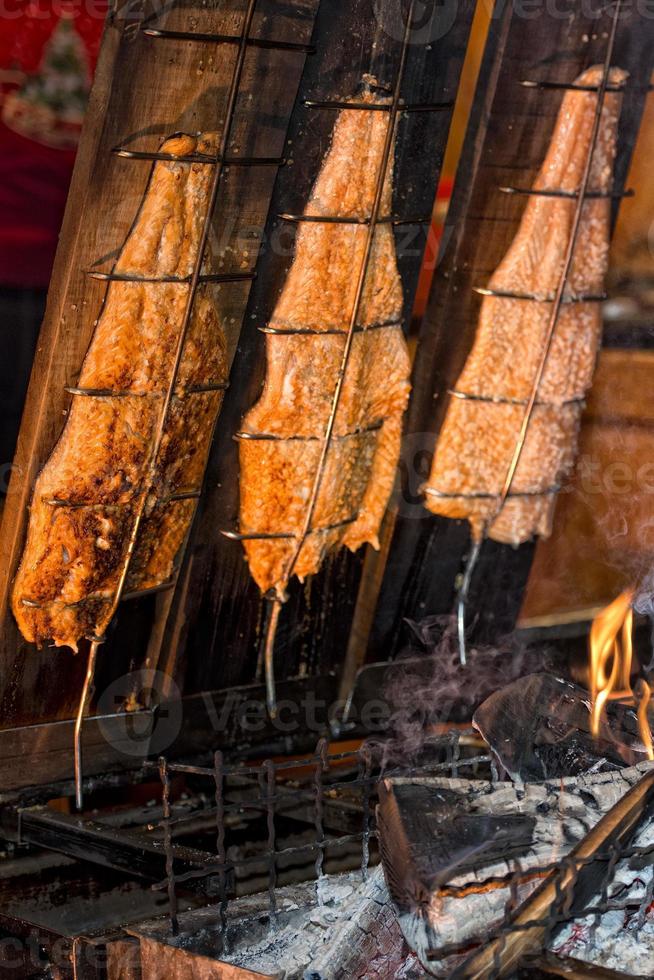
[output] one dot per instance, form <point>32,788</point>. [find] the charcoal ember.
<point>538,727</point>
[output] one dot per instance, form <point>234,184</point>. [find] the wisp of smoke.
<point>428,686</point>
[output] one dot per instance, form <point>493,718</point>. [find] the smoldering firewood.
<point>538,727</point>
<point>340,928</point>
<point>568,887</point>
<point>450,896</point>
<point>368,944</point>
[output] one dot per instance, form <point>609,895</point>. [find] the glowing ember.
<point>611,654</point>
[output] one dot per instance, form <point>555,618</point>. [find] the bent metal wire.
<point>219,162</point>
<point>394,108</point>
<point>558,300</point>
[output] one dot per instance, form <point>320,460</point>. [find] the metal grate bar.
<point>273,437</point>
<point>209,38</point>
<point>582,194</point>
<point>498,400</point>
<point>378,107</point>
<point>337,219</point>
<point>219,779</point>
<point>534,298</point>
<point>168,847</point>
<point>264,535</point>
<point>267,777</point>
<point>322,768</point>
<point>328,332</point>
<point>205,277</point>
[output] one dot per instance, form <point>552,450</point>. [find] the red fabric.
<point>34,178</point>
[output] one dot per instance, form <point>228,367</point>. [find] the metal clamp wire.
<point>372,222</point>
<point>580,196</point>
<point>219,162</point>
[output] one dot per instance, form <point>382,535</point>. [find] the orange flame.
<point>611,655</point>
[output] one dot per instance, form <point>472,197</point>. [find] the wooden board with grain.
<point>508,135</point>
<point>218,620</point>
<point>145,89</point>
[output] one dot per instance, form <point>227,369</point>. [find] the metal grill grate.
<point>362,769</point>
<point>525,928</point>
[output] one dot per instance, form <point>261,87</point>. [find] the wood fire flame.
<point>611,655</point>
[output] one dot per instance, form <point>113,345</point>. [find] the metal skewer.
<point>87,691</point>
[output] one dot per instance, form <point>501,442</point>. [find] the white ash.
<point>350,933</point>
<point>620,939</point>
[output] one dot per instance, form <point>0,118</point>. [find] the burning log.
<point>574,881</point>
<point>458,854</point>
<point>541,727</point>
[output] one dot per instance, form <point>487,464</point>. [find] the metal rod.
<point>219,161</point>
<point>499,400</point>
<point>182,280</point>
<point>82,708</point>
<point>462,599</point>
<point>336,219</point>
<point>582,194</point>
<point>322,766</point>
<point>275,607</point>
<point>568,86</point>
<point>329,331</point>
<point>365,767</point>
<point>268,782</point>
<point>273,437</point>
<point>117,393</point>
<point>379,106</point>
<point>266,535</point>
<point>443,495</point>
<point>533,298</point>
<point>573,195</point>
<point>202,38</point>
<point>219,779</point>
<point>168,847</point>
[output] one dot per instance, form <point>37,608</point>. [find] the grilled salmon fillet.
<point>486,412</point>
<point>86,496</point>
<point>283,434</point>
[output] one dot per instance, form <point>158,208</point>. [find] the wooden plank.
<point>144,90</point>
<point>508,134</point>
<point>602,537</point>
<point>221,622</point>
<point>121,742</point>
